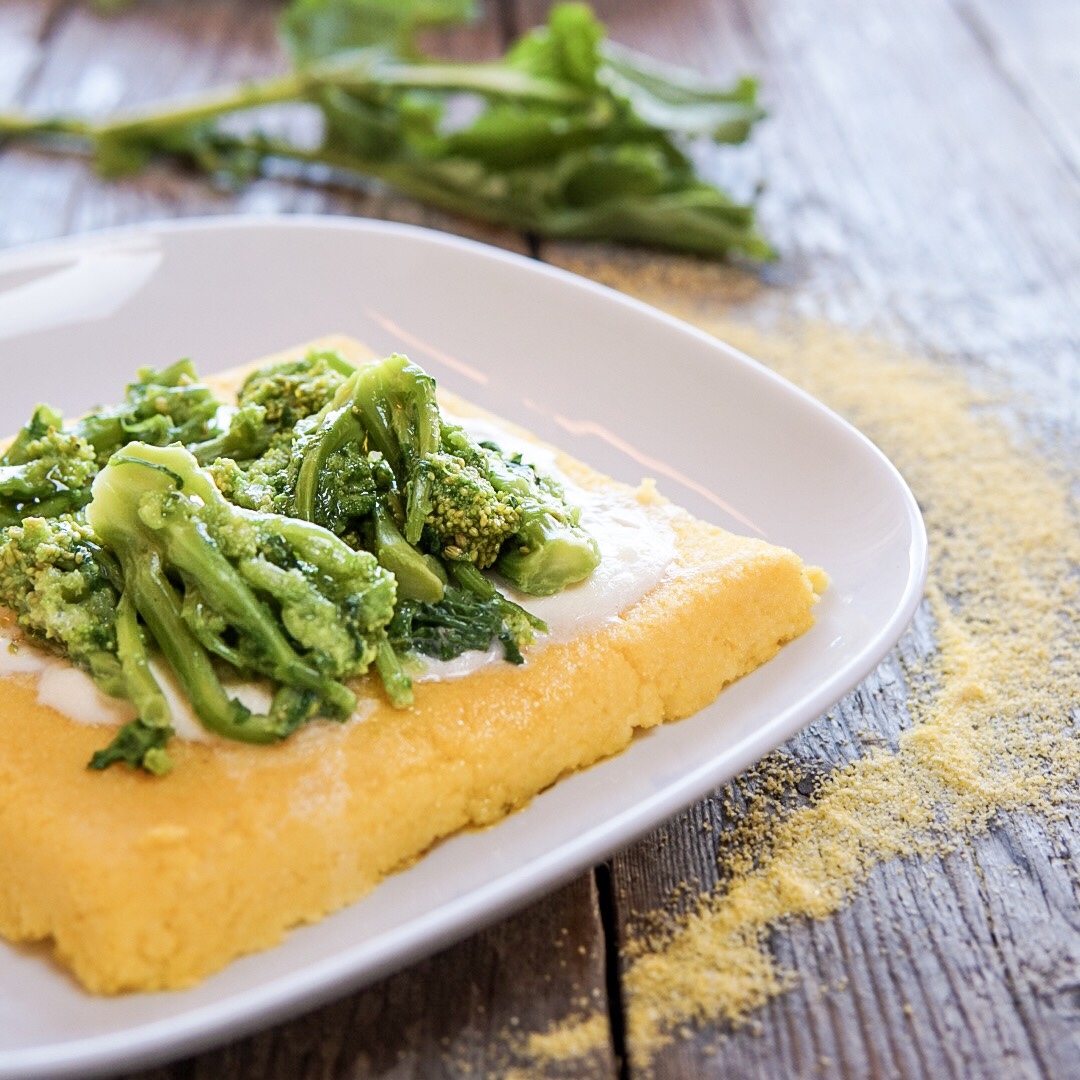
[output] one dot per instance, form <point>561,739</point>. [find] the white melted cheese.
<point>636,543</point>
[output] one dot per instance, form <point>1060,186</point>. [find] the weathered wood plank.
<point>912,190</point>
<point>463,1014</point>
<point>1034,47</point>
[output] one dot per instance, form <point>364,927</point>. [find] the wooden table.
<point>924,171</point>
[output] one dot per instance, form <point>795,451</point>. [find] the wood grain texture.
<point>921,183</point>
<point>462,1014</point>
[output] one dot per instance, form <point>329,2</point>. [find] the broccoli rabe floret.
<point>54,576</point>
<point>160,407</point>
<point>265,594</point>
<point>267,483</point>
<point>468,519</point>
<point>290,391</point>
<point>549,550</point>
<point>46,471</point>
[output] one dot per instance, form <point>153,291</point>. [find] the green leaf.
<point>676,100</point>
<point>698,219</point>
<point>374,131</point>
<point>567,49</point>
<point>314,29</point>
<point>142,746</point>
<point>508,135</point>
<point>604,176</point>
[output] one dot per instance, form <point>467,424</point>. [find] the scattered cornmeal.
<point>576,1039</point>
<point>990,728</point>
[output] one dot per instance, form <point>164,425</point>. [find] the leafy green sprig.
<point>573,136</point>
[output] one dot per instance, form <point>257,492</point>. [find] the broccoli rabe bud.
<point>159,408</point>
<point>54,578</point>
<point>290,391</point>
<point>265,484</point>
<point>46,471</point>
<point>468,520</point>
<point>549,550</point>
<point>266,594</point>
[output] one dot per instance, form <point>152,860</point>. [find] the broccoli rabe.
<point>64,590</point>
<point>46,471</point>
<point>471,614</point>
<point>289,391</point>
<point>467,519</point>
<point>159,408</point>
<point>519,627</point>
<point>450,497</point>
<point>459,622</point>
<point>56,578</point>
<point>329,523</point>
<point>242,433</point>
<point>387,407</point>
<point>266,594</point>
<point>266,483</point>
<point>48,468</point>
<point>284,396</point>
<point>549,550</point>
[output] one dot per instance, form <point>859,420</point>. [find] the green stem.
<point>17,124</point>
<point>353,72</point>
<point>406,179</point>
<point>141,685</point>
<point>249,95</point>
<point>493,79</point>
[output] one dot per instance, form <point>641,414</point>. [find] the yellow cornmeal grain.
<point>577,1045</point>
<point>991,729</point>
<point>146,883</point>
<point>572,1040</point>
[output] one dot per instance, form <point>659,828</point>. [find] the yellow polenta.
<point>144,883</point>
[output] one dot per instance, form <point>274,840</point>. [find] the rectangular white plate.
<point>615,383</point>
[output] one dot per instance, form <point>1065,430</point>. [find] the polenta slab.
<point>144,883</point>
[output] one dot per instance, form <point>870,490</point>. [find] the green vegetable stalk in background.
<point>570,135</point>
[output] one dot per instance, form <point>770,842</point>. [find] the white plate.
<point>616,383</point>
